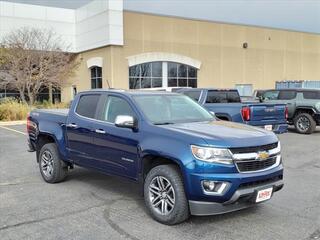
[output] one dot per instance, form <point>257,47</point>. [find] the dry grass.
<point>12,110</point>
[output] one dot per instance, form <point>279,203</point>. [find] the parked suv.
<point>303,106</point>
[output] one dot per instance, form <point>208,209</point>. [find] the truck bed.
<point>55,115</point>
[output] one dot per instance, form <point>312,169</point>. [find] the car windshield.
<point>170,109</point>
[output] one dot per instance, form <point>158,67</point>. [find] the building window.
<point>146,75</point>
<point>96,77</point>
<point>162,74</point>
<point>181,75</point>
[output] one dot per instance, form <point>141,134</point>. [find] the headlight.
<point>318,106</point>
<point>208,154</point>
<point>276,150</point>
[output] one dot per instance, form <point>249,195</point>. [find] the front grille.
<point>255,165</point>
<point>254,149</point>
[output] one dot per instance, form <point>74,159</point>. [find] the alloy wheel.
<point>161,195</point>
<point>47,163</point>
<point>303,123</point>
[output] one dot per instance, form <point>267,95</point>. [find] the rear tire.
<point>52,168</point>
<point>304,123</point>
<point>164,195</point>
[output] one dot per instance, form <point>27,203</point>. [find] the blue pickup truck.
<point>227,106</point>
<point>186,161</point>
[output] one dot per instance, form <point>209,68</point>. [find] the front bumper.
<point>242,198</point>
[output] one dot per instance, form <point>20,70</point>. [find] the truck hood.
<point>225,134</point>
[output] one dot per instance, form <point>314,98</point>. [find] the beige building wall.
<point>272,55</point>
<point>82,78</point>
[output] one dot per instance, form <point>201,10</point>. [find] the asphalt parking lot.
<point>89,205</point>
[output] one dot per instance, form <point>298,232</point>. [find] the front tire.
<point>52,168</point>
<point>304,123</point>
<point>164,195</point>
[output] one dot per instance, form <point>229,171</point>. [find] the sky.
<point>297,15</point>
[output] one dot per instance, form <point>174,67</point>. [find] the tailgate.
<point>268,113</point>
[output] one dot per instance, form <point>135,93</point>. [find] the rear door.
<point>116,148</point>
<point>288,97</point>
<point>79,129</point>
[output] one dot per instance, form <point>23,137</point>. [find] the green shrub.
<point>11,109</point>
<point>47,105</point>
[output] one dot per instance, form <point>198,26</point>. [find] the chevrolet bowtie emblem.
<point>263,155</point>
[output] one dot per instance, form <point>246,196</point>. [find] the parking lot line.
<point>13,130</point>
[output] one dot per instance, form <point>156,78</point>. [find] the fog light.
<point>214,187</point>
<point>208,185</point>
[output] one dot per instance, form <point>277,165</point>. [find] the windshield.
<point>169,109</point>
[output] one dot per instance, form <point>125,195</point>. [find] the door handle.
<point>72,125</point>
<point>100,131</point>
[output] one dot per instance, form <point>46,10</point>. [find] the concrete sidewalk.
<point>12,123</point>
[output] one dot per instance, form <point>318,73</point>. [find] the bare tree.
<point>32,59</point>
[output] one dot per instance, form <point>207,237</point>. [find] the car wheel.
<point>52,169</point>
<point>164,195</point>
<point>304,123</point>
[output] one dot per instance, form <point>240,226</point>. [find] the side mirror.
<point>261,99</point>
<point>124,121</point>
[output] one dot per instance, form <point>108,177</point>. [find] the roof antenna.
<point>108,83</point>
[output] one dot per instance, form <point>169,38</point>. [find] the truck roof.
<point>130,92</point>
<point>292,89</point>
<point>214,89</point>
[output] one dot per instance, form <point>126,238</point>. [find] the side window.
<point>216,97</point>
<point>116,106</point>
<point>311,95</point>
<point>287,95</point>
<point>271,95</point>
<point>233,97</point>
<point>87,105</point>
<point>195,95</point>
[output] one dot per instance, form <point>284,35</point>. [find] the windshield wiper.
<point>163,123</point>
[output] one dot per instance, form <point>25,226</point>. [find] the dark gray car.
<point>303,106</point>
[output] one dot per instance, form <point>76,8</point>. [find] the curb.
<point>10,123</point>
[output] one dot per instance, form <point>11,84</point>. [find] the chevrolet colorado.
<point>186,161</point>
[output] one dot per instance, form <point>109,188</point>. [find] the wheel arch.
<point>304,109</point>
<point>149,161</point>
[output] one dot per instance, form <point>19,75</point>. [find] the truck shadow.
<point>103,186</point>
<point>291,129</point>
<point>107,185</point>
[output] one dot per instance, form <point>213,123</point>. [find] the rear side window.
<point>195,95</point>
<point>233,96</point>
<point>311,95</point>
<point>287,95</point>
<point>87,105</point>
<point>222,97</point>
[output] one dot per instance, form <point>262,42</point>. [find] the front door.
<point>117,148</point>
